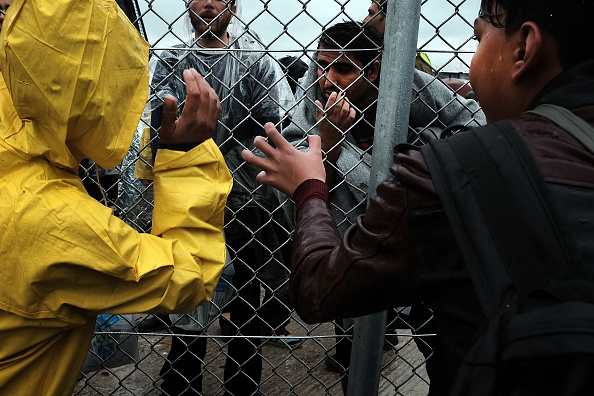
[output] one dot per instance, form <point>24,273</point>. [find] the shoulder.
<point>167,58</point>
<point>560,156</point>
<point>175,52</point>
<point>251,52</point>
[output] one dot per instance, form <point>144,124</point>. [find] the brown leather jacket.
<point>402,250</point>
<point>369,268</point>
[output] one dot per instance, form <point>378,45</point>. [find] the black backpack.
<point>539,303</point>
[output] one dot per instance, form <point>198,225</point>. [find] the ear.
<point>233,9</point>
<point>373,71</point>
<point>529,52</point>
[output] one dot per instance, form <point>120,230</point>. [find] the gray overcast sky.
<point>304,20</point>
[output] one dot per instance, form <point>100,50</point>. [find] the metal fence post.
<point>391,128</point>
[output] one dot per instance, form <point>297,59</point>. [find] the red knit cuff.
<point>310,189</point>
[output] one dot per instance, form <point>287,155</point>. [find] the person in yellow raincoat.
<point>73,83</point>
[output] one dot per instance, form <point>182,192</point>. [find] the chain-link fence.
<point>265,67</point>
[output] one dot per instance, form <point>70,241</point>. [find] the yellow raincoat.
<point>74,82</point>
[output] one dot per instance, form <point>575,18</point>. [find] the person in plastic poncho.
<point>73,84</point>
<point>253,91</point>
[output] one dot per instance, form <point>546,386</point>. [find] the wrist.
<point>311,189</point>
<point>332,153</point>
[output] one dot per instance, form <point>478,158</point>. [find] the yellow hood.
<point>73,82</point>
<point>74,85</point>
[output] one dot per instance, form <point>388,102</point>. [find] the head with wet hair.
<point>522,46</point>
<point>348,59</point>
<point>376,16</point>
<point>567,21</point>
<point>210,20</point>
<point>362,40</point>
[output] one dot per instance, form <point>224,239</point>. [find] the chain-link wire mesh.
<point>248,339</point>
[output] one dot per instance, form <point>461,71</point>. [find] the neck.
<point>368,99</point>
<point>211,41</point>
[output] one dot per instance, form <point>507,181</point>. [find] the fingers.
<point>349,117</point>
<point>343,109</point>
<point>334,97</point>
<point>283,149</point>
<point>253,159</point>
<point>315,143</point>
<point>169,117</point>
<point>249,157</point>
<point>336,106</point>
<point>192,79</point>
<point>319,110</point>
<point>322,110</point>
<point>261,144</point>
<point>285,168</point>
<point>278,139</point>
<point>200,95</point>
<point>194,93</point>
<point>342,106</point>
<point>201,110</point>
<point>262,177</point>
<point>210,96</point>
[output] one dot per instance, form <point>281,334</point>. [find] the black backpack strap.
<point>497,203</point>
<point>573,124</point>
<point>495,198</point>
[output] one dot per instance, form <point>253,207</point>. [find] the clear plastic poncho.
<point>253,91</point>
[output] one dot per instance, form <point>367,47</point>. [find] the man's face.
<point>216,13</point>
<point>490,71</point>
<point>376,18</point>
<point>342,71</point>
<point>3,7</point>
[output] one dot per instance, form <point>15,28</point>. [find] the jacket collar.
<point>573,88</point>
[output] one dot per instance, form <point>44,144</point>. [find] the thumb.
<point>315,143</point>
<point>169,118</point>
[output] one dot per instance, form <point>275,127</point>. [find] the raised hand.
<point>339,116</point>
<point>199,116</point>
<point>285,167</point>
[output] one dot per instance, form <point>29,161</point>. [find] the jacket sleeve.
<point>103,266</point>
<point>367,270</point>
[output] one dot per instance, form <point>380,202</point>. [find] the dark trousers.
<point>182,371</point>
<point>255,266</point>
<point>243,367</point>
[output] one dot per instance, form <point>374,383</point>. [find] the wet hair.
<point>362,41</point>
<point>568,22</point>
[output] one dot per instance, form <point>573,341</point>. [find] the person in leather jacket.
<point>402,250</point>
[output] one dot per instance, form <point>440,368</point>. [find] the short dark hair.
<point>568,22</point>
<point>362,40</point>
